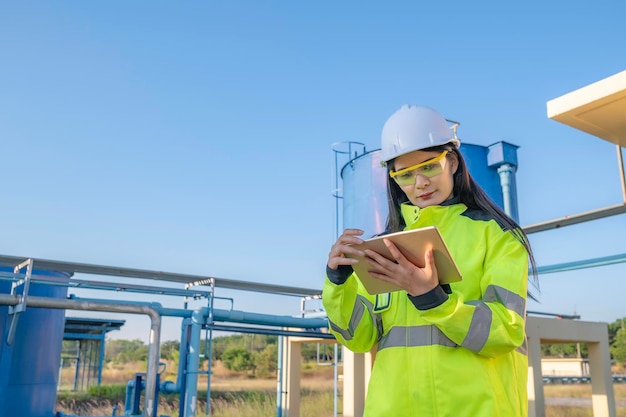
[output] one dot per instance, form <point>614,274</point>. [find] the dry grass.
<point>316,401</point>
<point>577,392</point>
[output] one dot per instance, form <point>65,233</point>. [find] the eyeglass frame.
<point>437,159</point>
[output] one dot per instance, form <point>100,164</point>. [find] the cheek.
<point>449,182</point>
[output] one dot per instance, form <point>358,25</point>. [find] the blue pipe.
<point>130,391</point>
<point>193,357</point>
<point>193,362</point>
<point>101,359</point>
<point>130,387</point>
<point>210,353</point>
<point>268,319</point>
<point>169,387</point>
<point>509,190</point>
<point>153,305</point>
<point>236,316</point>
<point>279,372</point>
<point>586,263</point>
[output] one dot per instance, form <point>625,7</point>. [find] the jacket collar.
<point>411,213</point>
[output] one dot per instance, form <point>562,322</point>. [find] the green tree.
<point>265,361</point>
<point>122,351</point>
<point>238,360</point>
<point>613,329</point>
<point>564,350</point>
<point>618,348</point>
<point>169,349</point>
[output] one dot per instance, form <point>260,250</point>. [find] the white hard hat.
<point>413,128</point>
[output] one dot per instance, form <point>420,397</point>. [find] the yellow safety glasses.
<point>428,169</point>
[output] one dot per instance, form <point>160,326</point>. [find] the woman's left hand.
<point>403,273</point>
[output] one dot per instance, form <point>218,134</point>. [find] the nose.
<point>421,182</point>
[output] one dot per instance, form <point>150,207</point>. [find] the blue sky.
<point>195,137</point>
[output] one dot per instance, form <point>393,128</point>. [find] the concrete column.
<point>354,383</point>
<point>550,331</point>
<point>602,395</point>
<point>292,359</point>
<point>536,402</point>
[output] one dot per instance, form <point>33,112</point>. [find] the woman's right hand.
<point>342,247</point>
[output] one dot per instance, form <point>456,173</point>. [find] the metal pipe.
<point>21,306</point>
<point>155,330</point>
<point>170,387</point>
<point>576,218</point>
<point>238,316</point>
<point>585,263</point>
<point>74,268</point>
<point>279,382</point>
<point>128,398</point>
<point>509,192</point>
<point>101,356</point>
<point>210,347</point>
<point>193,362</point>
<point>154,305</point>
<point>274,332</point>
<point>622,176</point>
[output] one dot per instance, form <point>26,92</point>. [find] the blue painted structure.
<point>90,335</point>
<point>25,366</point>
<point>364,190</point>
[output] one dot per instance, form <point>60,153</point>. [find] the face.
<point>427,190</point>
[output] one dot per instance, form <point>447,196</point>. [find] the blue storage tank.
<point>364,188</point>
<point>29,367</point>
<point>486,176</point>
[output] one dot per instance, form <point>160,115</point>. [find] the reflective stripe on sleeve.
<point>479,329</point>
<point>360,304</point>
<point>402,336</point>
<point>512,301</point>
<point>478,332</point>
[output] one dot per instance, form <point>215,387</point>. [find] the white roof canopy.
<point>598,109</point>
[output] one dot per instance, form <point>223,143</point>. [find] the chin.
<point>427,203</point>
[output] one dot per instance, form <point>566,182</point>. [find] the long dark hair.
<point>467,190</point>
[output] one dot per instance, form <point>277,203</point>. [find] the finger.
<point>376,257</point>
<point>395,252</point>
<point>353,232</point>
<point>334,263</point>
<point>430,267</point>
<point>350,250</point>
<point>350,235</point>
<point>349,240</point>
<point>429,260</point>
<point>340,248</point>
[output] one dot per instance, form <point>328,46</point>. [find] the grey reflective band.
<point>478,332</point>
<point>360,304</point>
<point>512,301</point>
<point>402,336</point>
<point>523,349</point>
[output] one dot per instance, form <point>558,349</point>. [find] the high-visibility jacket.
<point>463,357</point>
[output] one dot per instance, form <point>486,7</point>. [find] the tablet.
<point>413,244</point>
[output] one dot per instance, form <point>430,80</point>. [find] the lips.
<point>426,196</point>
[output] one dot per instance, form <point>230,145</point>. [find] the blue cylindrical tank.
<point>365,187</point>
<point>29,367</point>
<point>487,177</point>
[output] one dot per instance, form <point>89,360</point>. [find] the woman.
<point>456,350</point>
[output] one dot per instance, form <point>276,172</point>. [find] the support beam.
<point>596,336</point>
